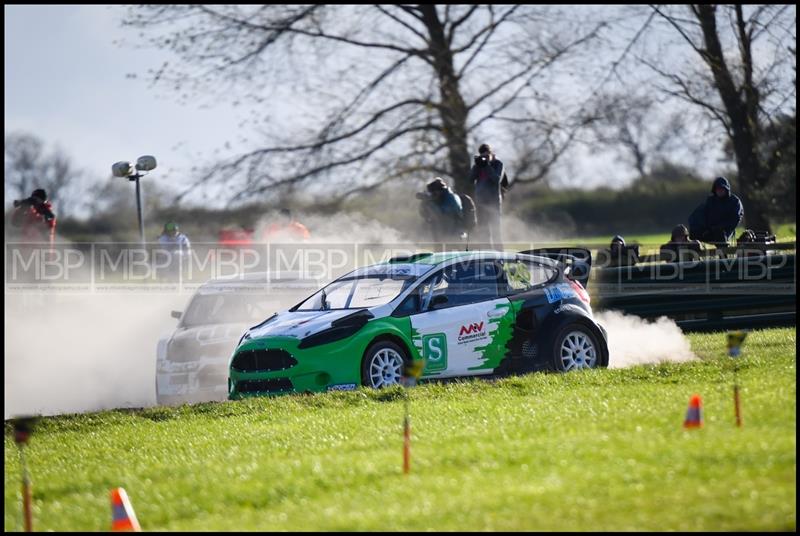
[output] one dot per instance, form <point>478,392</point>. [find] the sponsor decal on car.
<point>434,350</point>
<point>561,291</point>
<point>472,332</point>
<point>566,307</point>
<point>342,387</point>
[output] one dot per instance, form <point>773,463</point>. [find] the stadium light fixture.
<point>125,169</point>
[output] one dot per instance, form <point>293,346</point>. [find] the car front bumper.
<point>334,366</point>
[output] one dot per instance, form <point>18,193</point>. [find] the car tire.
<point>577,346</point>
<point>382,365</point>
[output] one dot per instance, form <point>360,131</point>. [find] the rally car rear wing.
<point>577,261</point>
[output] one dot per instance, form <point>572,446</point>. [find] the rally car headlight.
<point>245,337</point>
<point>340,329</point>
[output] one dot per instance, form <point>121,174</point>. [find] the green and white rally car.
<point>465,313</point>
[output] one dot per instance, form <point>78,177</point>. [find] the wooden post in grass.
<point>23,428</point>
<point>735,341</point>
<point>412,371</point>
<point>406,439</point>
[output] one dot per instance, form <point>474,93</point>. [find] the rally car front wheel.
<point>576,346</point>
<point>382,365</point>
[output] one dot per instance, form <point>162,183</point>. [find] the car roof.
<point>262,277</point>
<point>433,259</point>
<point>445,256</point>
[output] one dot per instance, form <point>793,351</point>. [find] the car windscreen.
<point>228,308</point>
<point>357,293</point>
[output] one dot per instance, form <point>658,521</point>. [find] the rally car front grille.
<point>263,361</point>
<point>265,386</point>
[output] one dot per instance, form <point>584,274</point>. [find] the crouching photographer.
<point>441,210</point>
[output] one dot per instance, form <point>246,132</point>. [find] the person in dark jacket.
<point>442,210</point>
<point>715,220</point>
<point>35,218</point>
<point>489,178</point>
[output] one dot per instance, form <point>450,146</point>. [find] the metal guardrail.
<point>746,286</point>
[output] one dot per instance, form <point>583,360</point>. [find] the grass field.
<point>596,450</point>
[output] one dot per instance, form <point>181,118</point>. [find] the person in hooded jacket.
<point>715,220</point>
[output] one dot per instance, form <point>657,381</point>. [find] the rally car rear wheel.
<point>382,365</point>
<point>577,347</point>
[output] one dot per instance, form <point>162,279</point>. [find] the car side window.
<point>419,300</point>
<point>520,276</point>
<point>469,282</point>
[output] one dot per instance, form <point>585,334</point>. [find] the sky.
<point>66,81</point>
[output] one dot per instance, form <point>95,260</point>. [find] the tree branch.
<point>677,26</point>
<point>490,28</point>
<point>687,95</point>
<point>459,21</point>
<point>403,23</point>
<point>549,61</point>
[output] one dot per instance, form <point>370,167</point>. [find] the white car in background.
<point>192,363</point>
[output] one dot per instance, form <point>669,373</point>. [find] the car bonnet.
<point>298,324</point>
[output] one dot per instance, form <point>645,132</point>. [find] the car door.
<point>463,323</point>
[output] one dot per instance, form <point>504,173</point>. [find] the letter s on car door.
<point>454,337</point>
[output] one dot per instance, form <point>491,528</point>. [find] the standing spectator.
<point>177,246</point>
<point>35,218</point>
<point>173,238</point>
<point>489,178</point>
<point>715,220</point>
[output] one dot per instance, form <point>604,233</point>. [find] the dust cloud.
<point>336,229</point>
<point>83,352</point>
<point>356,228</point>
<point>635,341</point>
<point>89,352</point>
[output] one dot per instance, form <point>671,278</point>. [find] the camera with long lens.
<point>23,202</point>
<point>481,160</point>
<point>424,196</point>
<point>38,206</point>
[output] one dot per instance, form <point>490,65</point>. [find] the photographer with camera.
<point>489,178</point>
<point>442,210</point>
<point>35,218</point>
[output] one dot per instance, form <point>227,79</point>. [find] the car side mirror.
<point>438,301</point>
<point>176,314</point>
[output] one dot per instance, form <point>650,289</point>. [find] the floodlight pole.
<point>125,169</point>
<point>136,178</point>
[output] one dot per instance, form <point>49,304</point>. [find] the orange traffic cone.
<point>123,519</point>
<point>694,415</point>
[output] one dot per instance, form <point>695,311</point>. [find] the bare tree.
<point>743,82</point>
<point>392,90</point>
<point>636,127</point>
<point>28,167</point>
